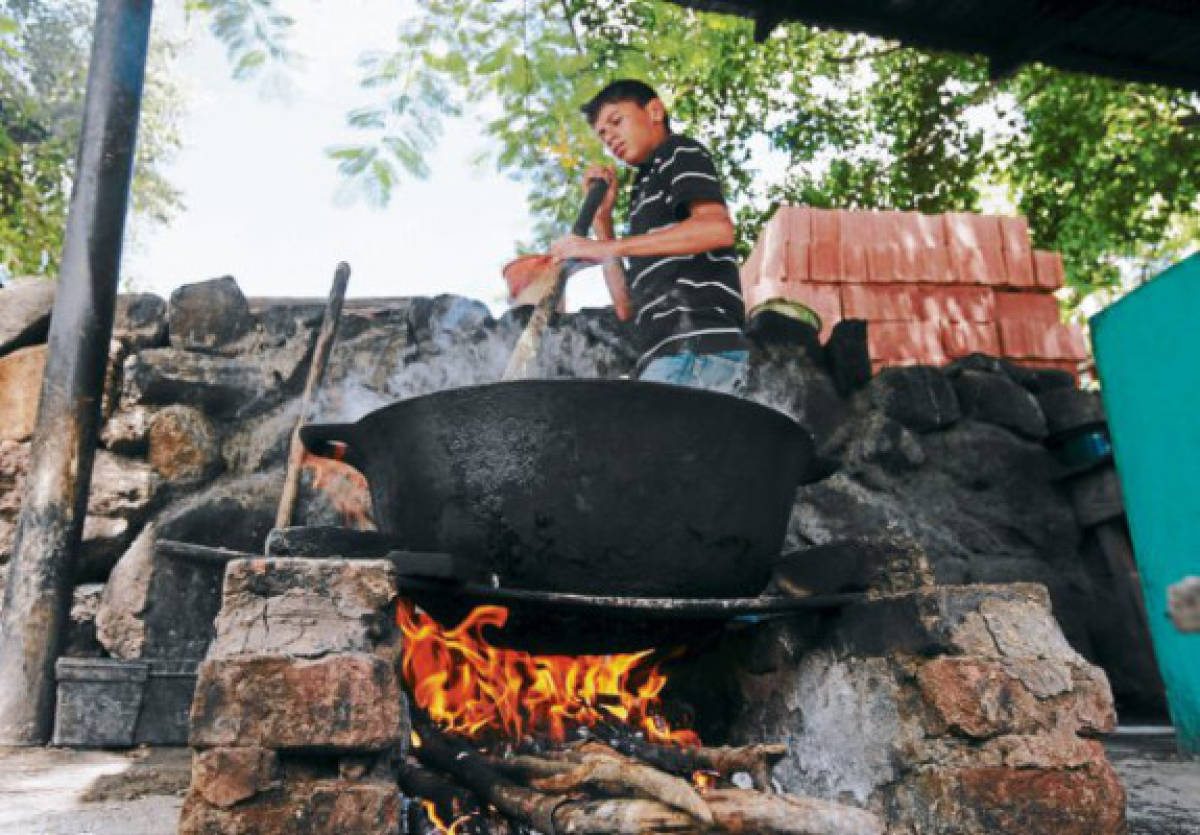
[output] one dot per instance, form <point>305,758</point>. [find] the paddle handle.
<point>524,355</point>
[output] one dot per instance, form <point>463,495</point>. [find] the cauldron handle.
<point>333,440</point>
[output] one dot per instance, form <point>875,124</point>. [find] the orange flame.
<point>345,487</point>
<point>435,819</point>
<point>468,686</point>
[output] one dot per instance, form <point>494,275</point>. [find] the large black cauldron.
<point>600,487</point>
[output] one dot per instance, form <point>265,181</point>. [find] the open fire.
<point>472,689</point>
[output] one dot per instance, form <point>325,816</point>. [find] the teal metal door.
<point>1147,349</point>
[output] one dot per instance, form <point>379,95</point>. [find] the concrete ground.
<point>56,791</point>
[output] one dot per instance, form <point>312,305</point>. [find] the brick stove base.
<point>944,709</point>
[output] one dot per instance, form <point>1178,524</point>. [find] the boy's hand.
<point>582,249</point>
<point>602,223</point>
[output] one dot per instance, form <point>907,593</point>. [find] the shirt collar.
<point>658,153</point>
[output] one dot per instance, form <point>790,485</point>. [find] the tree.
<point>1100,168</point>
<point>44,52</point>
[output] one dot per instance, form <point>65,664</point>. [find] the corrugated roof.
<point>1135,40</point>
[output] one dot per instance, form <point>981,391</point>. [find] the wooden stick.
<point>755,759</point>
<point>316,372</point>
<point>745,811</point>
<point>417,781</point>
<point>621,776</point>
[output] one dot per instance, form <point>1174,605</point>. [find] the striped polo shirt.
<point>681,302</point>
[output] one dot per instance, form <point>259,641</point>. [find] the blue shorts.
<point>724,371</point>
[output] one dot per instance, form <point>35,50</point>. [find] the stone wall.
<point>203,393</point>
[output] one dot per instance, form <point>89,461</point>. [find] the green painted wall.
<point>1147,349</point>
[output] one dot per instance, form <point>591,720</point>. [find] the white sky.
<point>260,192</point>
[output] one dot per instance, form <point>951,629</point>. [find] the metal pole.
<point>38,594</point>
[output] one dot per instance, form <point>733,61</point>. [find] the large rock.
<point>994,398</point>
<point>140,321</point>
<point>183,445</point>
<point>20,389</point>
<point>161,607</point>
<point>81,626</point>
<point>25,313</point>
<point>127,432</point>
<point>208,315</point>
<point>919,397</point>
<point>227,387</point>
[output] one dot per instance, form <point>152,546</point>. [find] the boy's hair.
<point>626,89</point>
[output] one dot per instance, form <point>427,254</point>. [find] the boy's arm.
<point>707,227</point>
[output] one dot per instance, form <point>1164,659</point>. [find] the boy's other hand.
<point>581,249</point>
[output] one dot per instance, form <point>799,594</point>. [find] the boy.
<point>680,279</point>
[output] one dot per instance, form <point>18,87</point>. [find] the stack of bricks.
<point>299,716</point>
<point>932,288</point>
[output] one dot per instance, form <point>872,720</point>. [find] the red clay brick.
<point>1018,252</point>
<point>1026,307</point>
<point>918,342</point>
<point>880,302</point>
<point>976,252</point>
<point>856,236</point>
<point>825,255</point>
<point>962,338</point>
<point>751,267</point>
<point>799,241</point>
<point>1038,340</point>
<point>958,304</point>
<point>883,247</point>
<point>1048,269</point>
<point>933,257</point>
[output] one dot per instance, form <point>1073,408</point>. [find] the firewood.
<point>459,760</point>
<point>622,817</point>
<point>621,776</point>
<point>745,811</point>
<point>756,759</point>
<point>523,767</point>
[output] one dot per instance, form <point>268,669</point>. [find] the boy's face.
<point>629,131</point>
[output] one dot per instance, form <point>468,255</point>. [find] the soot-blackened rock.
<point>994,398</point>
<point>918,396</point>
<point>208,315</point>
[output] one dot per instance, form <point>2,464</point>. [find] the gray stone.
<point>445,318</point>
<point>25,313</point>
<point>81,626</point>
<point>883,441</point>
<point>318,807</point>
<point>126,432</point>
<point>304,607</point>
<point>262,442</point>
<point>886,563</point>
<point>183,445</point>
<point>919,397</point>
<point>993,398</point>
<point>208,314</point>
<point>839,717</point>
<point>1070,410</point>
<point>223,387</point>
<point>14,460</point>
<point>791,382</point>
<point>140,321</point>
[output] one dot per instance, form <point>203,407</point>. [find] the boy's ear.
<point>657,110</point>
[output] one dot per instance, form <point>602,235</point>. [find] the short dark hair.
<point>626,89</point>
